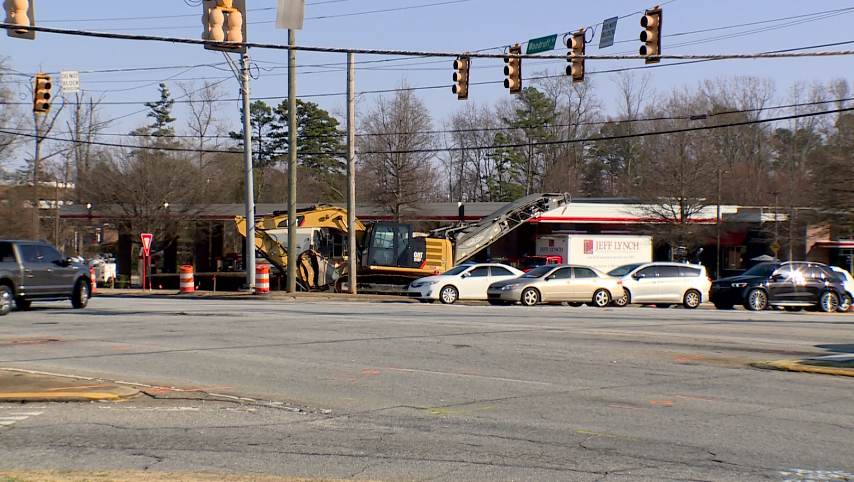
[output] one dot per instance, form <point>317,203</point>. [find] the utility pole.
<point>351,171</point>
<point>292,163</point>
<point>718,255</point>
<point>249,180</point>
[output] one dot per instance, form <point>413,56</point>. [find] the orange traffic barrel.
<point>94,280</point>
<point>186,279</point>
<point>262,279</point>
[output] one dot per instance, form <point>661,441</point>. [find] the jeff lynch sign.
<point>592,246</point>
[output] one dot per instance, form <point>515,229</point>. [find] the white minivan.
<point>663,284</point>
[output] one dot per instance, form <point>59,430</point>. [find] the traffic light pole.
<point>351,172</point>
<point>250,188</point>
<point>292,164</point>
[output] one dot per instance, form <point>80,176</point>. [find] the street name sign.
<point>542,44</point>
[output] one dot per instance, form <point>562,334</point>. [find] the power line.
<point>469,148</point>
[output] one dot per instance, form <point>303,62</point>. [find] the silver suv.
<point>36,271</point>
<point>663,284</point>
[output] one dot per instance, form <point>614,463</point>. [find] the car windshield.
<point>457,270</point>
<point>623,270</point>
<point>762,270</point>
<point>538,272</point>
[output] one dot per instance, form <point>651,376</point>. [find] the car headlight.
<point>509,287</point>
<point>739,285</point>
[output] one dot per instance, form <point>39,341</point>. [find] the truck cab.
<point>532,262</point>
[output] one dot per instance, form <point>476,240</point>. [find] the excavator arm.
<point>320,216</point>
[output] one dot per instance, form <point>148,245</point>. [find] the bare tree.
<point>396,166</point>
<point>204,122</point>
<point>9,115</point>
<point>84,126</point>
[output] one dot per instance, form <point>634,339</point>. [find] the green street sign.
<point>543,44</point>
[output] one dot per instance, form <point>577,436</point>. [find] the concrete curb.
<point>274,296</point>
<point>17,385</point>
<point>844,369</point>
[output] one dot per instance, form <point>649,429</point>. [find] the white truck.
<point>601,251</point>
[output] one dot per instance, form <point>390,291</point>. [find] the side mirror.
<point>638,276</point>
<point>466,275</point>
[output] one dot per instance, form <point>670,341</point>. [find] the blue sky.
<point>459,26</point>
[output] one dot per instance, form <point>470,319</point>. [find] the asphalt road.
<point>397,391</point>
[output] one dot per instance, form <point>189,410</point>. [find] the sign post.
<point>146,256</point>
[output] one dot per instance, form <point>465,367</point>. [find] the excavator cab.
<point>392,245</point>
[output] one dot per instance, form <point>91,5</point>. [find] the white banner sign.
<point>70,81</point>
<point>291,14</point>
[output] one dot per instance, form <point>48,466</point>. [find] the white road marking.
<point>9,418</point>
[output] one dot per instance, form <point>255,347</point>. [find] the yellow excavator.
<point>390,255</point>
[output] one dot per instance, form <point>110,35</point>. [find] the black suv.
<point>793,285</point>
<point>36,271</point>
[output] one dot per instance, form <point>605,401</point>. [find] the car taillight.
<point>709,278</point>
<point>619,282</point>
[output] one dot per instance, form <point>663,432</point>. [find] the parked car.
<point>464,282</point>
<point>36,271</point>
<point>848,284</point>
<point>663,284</point>
<point>792,285</point>
<point>573,284</point>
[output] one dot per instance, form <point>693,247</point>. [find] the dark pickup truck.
<point>36,271</point>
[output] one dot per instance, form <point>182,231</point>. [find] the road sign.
<point>775,246</point>
<point>70,81</point>
<point>146,243</point>
<point>290,14</point>
<point>542,44</point>
<point>609,28</point>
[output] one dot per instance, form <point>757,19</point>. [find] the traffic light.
<point>651,35</point>
<point>224,21</point>
<point>41,93</point>
<point>20,12</point>
<point>575,56</point>
<point>513,70</point>
<point>461,77</point>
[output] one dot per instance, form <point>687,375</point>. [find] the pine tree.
<point>161,113</point>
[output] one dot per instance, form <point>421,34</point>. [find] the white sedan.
<point>464,282</point>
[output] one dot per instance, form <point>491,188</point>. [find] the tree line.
<point>736,140</point>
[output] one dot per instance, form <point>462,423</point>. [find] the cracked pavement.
<point>397,392</point>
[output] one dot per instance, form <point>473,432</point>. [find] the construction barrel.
<point>186,279</point>
<point>262,279</point>
<point>94,280</point>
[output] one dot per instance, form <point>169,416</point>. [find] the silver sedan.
<point>573,284</point>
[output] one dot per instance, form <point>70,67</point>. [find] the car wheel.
<point>80,298</point>
<point>723,306</point>
<point>757,300</point>
<point>601,298</point>
<point>6,299</point>
<point>530,297</point>
<point>845,305</point>
<point>623,300</point>
<point>22,304</point>
<point>574,304</point>
<point>828,302</point>
<point>692,299</point>
<point>794,309</point>
<point>449,295</point>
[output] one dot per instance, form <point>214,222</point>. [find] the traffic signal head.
<point>20,12</point>
<point>461,78</point>
<point>575,57</point>
<point>513,70</point>
<point>41,93</point>
<point>224,21</point>
<point>651,35</point>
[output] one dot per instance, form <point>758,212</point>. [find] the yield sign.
<point>146,243</point>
